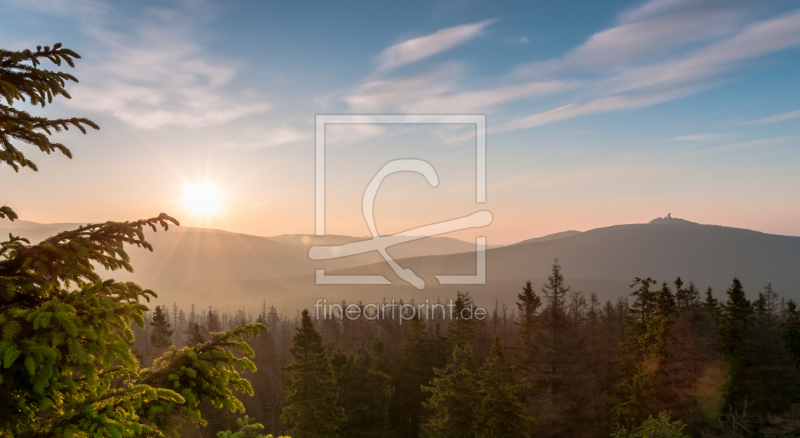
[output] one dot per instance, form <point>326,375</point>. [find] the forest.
<point>555,363</point>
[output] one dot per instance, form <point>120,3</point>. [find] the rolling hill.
<point>212,267</point>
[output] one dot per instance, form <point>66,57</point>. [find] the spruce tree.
<point>421,354</point>
<point>364,393</point>
<point>194,335</point>
<point>640,351</point>
<point>453,398</point>
<point>311,408</point>
<point>528,304</point>
<point>791,331</point>
<point>500,413</point>
<point>734,319</point>
<point>460,331</point>
<point>68,369</point>
<point>161,336</point>
<point>691,377</point>
<point>711,303</point>
<point>558,368</point>
<point>765,372</point>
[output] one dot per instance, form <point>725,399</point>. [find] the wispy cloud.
<point>749,144</point>
<point>159,76</point>
<point>258,137</point>
<point>656,28</point>
<point>87,10</point>
<point>697,137</point>
<point>655,82</point>
<point>439,92</point>
<point>417,49</point>
<point>778,118</point>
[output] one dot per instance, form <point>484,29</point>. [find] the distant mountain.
<point>554,236</point>
<point>709,255</point>
<point>221,268</point>
<point>185,254</point>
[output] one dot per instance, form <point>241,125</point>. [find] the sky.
<point>598,113</point>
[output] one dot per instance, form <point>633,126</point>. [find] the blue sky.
<point>598,113</point>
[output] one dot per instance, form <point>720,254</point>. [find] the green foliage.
<point>454,397</point>
<point>21,79</point>
<point>500,413</point>
<point>644,349</point>
<point>204,371</point>
<point>528,304</point>
<point>791,330</point>
<point>364,393</point>
<point>711,303</point>
<point>311,408</point>
<point>67,368</point>
<point>645,298</point>
<point>421,354</point>
<point>459,330</point>
<point>734,320</point>
<point>661,427</point>
<point>247,430</point>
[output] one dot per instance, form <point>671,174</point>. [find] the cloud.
<point>696,137</point>
<point>346,134</point>
<point>656,82</point>
<point>656,28</point>
<point>439,92</point>
<point>158,77</point>
<point>416,49</point>
<point>778,118</point>
<point>252,138</point>
<point>573,110</point>
<point>86,10</point>
<point>749,144</point>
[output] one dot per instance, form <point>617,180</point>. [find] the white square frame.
<point>480,185</point>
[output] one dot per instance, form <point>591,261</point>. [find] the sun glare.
<point>202,199</point>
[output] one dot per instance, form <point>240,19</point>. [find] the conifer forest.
<point>666,356</point>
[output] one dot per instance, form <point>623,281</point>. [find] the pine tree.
<point>68,369</point>
<point>364,393</point>
<point>311,408</point>
<point>213,323</point>
<point>460,332</point>
<point>421,354</point>
<point>161,337</point>
<point>454,398</point>
<point>641,351</point>
<point>558,370</point>
<point>528,304</point>
<point>194,335</point>
<point>500,413</point>
<point>765,372</point>
<point>734,319</point>
<point>791,331</point>
<point>645,298</point>
<point>691,375</point>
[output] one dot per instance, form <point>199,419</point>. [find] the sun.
<point>202,199</point>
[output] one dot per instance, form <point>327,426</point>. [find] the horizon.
<point>14,224</point>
